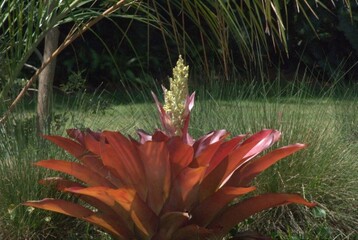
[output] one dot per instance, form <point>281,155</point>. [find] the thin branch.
<point>31,67</point>
<point>69,39</point>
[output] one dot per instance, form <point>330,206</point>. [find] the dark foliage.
<point>125,53</point>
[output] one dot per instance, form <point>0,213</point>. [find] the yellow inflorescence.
<point>175,97</point>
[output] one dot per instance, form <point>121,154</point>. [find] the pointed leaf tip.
<point>242,210</point>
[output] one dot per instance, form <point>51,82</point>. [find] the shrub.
<point>166,185</point>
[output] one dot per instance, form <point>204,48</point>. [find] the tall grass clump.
<point>327,171</point>
<point>21,146</point>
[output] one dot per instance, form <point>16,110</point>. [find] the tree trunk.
<point>44,98</point>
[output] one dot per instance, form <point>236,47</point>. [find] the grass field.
<point>326,172</point>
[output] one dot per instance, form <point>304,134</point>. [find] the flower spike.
<point>175,114</point>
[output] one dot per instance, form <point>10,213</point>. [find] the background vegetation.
<point>139,43</point>
<point>289,65</point>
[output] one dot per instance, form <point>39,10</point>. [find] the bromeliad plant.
<point>166,185</point>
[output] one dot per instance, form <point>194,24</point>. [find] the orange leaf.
<point>155,159</point>
<point>126,161</point>
<point>245,174</point>
<point>127,204</point>
<point>242,210</point>
<point>204,213</point>
<point>61,206</point>
<point>77,170</point>
<point>143,217</point>
<point>209,138</point>
<point>193,232</point>
<point>72,147</point>
<point>119,205</point>
<point>225,149</point>
<point>113,162</point>
<point>78,211</point>
<point>267,136</point>
<point>169,223</point>
<point>79,135</point>
<point>159,136</point>
<point>185,190</point>
<point>76,134</point>
<point>64,184</point>
<point>94,163</point>
<point>206,155</point>
<point>92,144</point>
<point>59,183</point>
<point>225,169</point>
<point>80,152</point>
<point>180,154</point>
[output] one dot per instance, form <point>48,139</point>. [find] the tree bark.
<point>45,88</point>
